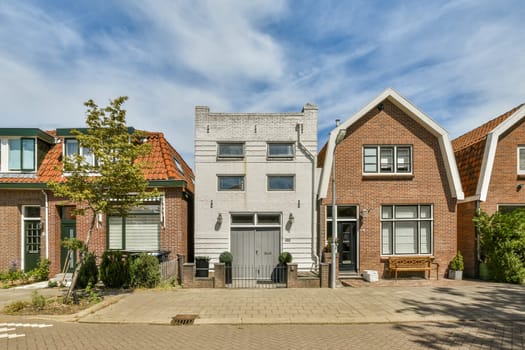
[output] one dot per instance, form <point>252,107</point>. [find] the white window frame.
<point>280,156</point>
<point>23,234</point>
<point>280,190</point>
<point>227,156</point>
<point>255,219</point>
<point>243,183</point>
<point>329,219</point>
<point>395,159</point>
<point>514,205</point>
<point>520,149</point>
<point>145,210</point>
<point>418,220</point>
<point>83,151</point>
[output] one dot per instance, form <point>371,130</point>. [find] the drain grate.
<point>183,320</point>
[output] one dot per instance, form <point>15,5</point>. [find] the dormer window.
<point>21,154</point>
<point>71,147</point>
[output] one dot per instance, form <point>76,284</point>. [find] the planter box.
<point>370,275</point>
<point>455,275</point>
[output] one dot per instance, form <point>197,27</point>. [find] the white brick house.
<point>255,180</point>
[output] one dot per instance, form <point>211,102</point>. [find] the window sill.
<point>387,176</point>
<point>521,177</point>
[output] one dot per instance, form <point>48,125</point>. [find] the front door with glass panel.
<point>347,247</point>
<point>32,235</point>
<point>67,230</point>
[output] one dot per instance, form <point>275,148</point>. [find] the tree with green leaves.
<point>503,244</point>
<point>112,181</point>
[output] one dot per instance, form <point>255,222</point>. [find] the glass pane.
<point>386,238</point>
<point>231,150</point>
<point>522,158</point>
<point>387,160</point>
<point>243,219</point>
<point>426,212</point>
<point>329,231</point>
<point>406,237</point>
<point>506,209</point>
<point>425,237</point>
<point>403,160</point>
<point>346,212</point>
<point>328,211</point>
<point>231,183</point>
<point>280,150</point>
<point>280,183</point>
<point>142,232</point>
<point>28,154</point>
<point>32,212</point>
<point>269,219</point>
<point>15,158</point>
<point>386,212</point>
<point>370,160</point>
<point>406,212</point>
<point>179,166</point>
<point>70,147</point>
<point>88,156</point>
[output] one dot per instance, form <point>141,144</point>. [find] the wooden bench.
<point>412,263</point>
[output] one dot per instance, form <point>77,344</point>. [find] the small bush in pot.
<point>456,267</point>
<point>285,258</point>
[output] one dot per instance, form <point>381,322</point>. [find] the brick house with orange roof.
<point>397,187</point>
<point>491,163</point>
<point>33,222</point>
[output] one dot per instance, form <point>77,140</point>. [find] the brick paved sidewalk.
<point>399,301</point>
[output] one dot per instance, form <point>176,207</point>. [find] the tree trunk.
<point>81,259</point>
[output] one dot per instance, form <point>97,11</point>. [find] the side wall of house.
<point>467,237</point>
<point>428,185</point>
<point>174,231</point>
<point>11,226</point>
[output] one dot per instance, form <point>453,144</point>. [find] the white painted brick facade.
<point>255,130</point>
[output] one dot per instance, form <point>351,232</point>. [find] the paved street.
<point>387,315</point>
<point>427,335</point>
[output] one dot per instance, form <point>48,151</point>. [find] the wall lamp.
<point>291,218</point>
<point>519,187</point>
<point>219,219</point>
<point>380,107</point>
<point>365,212</point>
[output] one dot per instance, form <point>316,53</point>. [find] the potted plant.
<point>455,271</point>
<point>226,258</point>
<point>202,266</point>
<point>282,271</point>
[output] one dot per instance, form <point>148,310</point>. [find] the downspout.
<point>477,237</point>
<point>309,155</point>
<point>47,222</point>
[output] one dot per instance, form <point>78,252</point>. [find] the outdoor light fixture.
<point>519,187</point>
<point>291,218</point>
<point>219,219</point>
<point>380,107</point>
<point>365,212</point>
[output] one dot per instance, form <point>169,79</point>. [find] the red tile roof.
<point>469,150</point>
<point>160,164</point>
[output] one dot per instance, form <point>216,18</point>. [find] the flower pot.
<point>484,273</point>
<point>455,275</point>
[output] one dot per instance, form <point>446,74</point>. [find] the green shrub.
<point>457,263</point>
<point>144,271</point>
<point>503,244</point>
<point>226,257</point>
<point>285,258</point>
<point>15,307</point>
<point>41,272</point>
<point>37,300</point>
<point>114,269</point>
<point>88,273</point>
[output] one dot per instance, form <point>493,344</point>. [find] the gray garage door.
<point>255,252</point>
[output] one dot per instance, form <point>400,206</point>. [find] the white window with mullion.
<point>387,159</point>
<point>406,229</point>
<point>521,160</point>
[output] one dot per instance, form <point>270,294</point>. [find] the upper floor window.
<point>387,159</point>
<point>281,150</point>
<point>71,147</point>
<point>231,183</point>
<point>521,160</point>
<point>178,165</point>
<point>21,154</point>
<point>281,182</point>
<point>230,150</point>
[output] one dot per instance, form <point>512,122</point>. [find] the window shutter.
<point>142,232</point>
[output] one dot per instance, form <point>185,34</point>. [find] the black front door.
<point>347,247</point>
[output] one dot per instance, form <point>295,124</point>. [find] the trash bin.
<point>202,265</point>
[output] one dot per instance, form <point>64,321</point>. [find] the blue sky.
<point>460,62</point>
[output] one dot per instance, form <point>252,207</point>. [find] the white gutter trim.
<point>489,153</point>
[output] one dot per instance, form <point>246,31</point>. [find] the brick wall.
<point>428,185</point>
<point>467,237</point>
<point>11,202</point>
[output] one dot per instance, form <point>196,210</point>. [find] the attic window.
<point>179,166</point>
<point>521,160</point>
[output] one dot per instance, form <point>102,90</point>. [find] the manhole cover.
<point>183,320</point>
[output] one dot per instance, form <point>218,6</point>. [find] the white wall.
<point>255,129</point>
